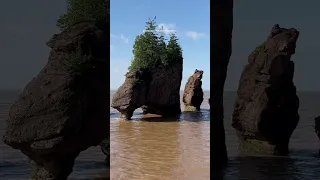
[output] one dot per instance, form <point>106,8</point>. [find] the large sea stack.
<point>193,93</point>
<point>221,48</point>
<point>266,108</point>
<point>156,91</point>
<point>62,111</point>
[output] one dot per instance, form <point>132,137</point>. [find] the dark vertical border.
<point>221,26</point>
<point>108,75</point>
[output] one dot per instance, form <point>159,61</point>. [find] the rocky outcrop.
<point>193,94</point>
<point>222,25</point>
<point>156,91</point>
<point>61,111</point>
<point>266,108</point>
<point>105,148</point>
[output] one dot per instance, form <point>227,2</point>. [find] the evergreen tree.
<point>162,48</point>
<point>174,51</point>
<point>145,48</point>
<point>150,49</point>
<point>85,9</point>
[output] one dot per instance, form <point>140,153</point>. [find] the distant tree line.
<point>150,49</point>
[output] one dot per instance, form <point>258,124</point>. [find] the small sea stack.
<point>193,93</point>
<point>266,109</point>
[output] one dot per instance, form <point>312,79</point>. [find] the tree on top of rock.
<point>145,48</point>
<point>174,51</point>
<point>151,51</point>
<point>162,48</point>
<point>84,9</point>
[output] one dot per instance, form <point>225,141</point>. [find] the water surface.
<point>179,148</point>
<point>161,149</point>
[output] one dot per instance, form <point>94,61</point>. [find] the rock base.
<point>105,148</point>
<point>255,147</point>
<point>126,115</point>
<point>39,172</point>
<point>164,111</point>
<point>53,168</point>
<point>191,108</point>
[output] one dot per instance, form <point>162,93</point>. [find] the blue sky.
<point>190,20</point>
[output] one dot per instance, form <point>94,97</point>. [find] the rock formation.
<point>221,32</point>
<point>62,111</point>
<point>105,148</point>
<point>156,91</point>
<point>193,94</point>
<point>266,108</point>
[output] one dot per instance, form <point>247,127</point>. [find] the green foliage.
<point>174,51</point>
<point>78,64</point>
<point>151,51</point>
<point>162,49</point>
<point>84,9</point>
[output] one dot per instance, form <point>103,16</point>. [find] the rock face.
<point>156,91</point>
<point>266,108</point>
<point>61,111</point>
<point>193,94</point>
<point>221,48</point>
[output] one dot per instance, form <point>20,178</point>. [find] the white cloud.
<point>195,35</point>
<point>167,28</point>
<point>120,37</point>
<point>124,39</point>
<point>111,47</point>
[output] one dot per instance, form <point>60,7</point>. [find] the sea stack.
<point>62,111</point>
<point>154,78</point>
<point>266,109</point>
<point>193,93</point>
<point>156,91</point>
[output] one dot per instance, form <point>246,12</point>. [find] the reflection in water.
<point>163,149</point>
<point>262,167</point>
<point>277,168</point>
<point>204,115</point>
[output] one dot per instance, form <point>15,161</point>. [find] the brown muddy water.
<point>179,149</point>
<point>161,149</point>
